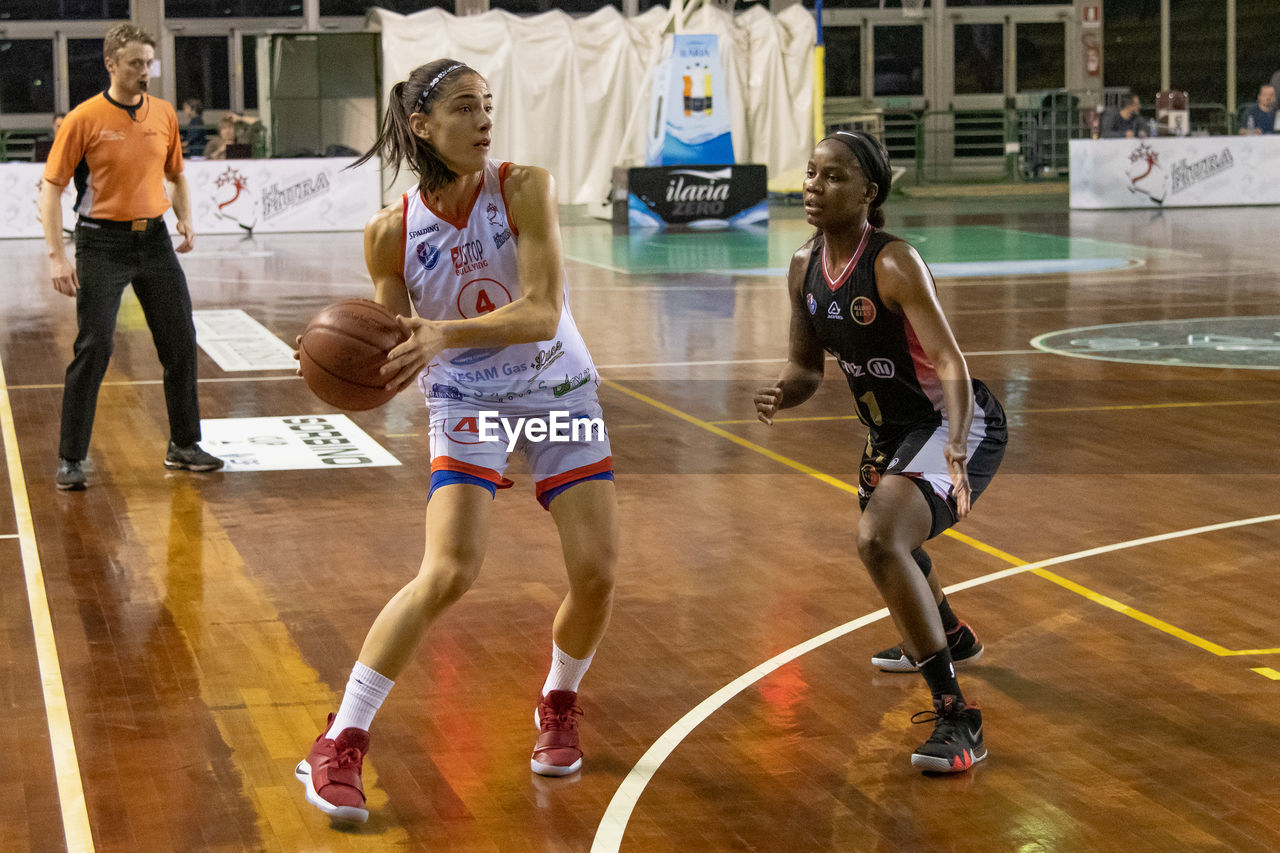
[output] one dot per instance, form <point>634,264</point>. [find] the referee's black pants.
<point>107,260</point>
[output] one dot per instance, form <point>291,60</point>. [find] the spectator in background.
<point>1260,117</point>
<point>195,135</point>
<point>216,148</point>
<point>57,124</point>
<point>1124,122</point>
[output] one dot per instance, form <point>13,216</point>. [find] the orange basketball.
<point>342,349</point>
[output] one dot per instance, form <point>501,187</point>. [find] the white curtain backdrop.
<point>572,94</point>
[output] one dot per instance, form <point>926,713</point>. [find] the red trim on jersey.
<point>603,466</point>
<point>404,231</point>
<point>838,282</point>
<point>448,463</point>
<point>503,171</point>
<point>462,223</point>
<point>926,373</point>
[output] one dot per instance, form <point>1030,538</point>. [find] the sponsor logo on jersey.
<point>491,210</point>
<point>863,311</point>
<point>501,237</point>
<point>468,257</point>
<point>833,311</point>
<point>813,303</point>
<point>428,255</point>
<point>881,368</point>
<point>444,392</point>
<point>870,476</point>
<point>418,232</point>
<point>544,357</point>
<point>571,382</point>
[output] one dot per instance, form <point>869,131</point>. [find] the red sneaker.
<point>331,774</point>
<point>556,753</point>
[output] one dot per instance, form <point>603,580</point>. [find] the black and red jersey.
<point>893,382</point>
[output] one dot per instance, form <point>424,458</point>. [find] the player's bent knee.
<point>875,547</point>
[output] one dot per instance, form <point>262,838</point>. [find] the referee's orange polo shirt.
<point>128,157</point>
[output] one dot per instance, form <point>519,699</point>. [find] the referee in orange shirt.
<point>120,146</point>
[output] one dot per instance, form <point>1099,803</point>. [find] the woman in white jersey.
<point>474,252</point>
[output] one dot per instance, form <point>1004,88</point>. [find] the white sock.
<point>566,672</point>
<point>365,691</point>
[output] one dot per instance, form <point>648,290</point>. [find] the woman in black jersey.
<point>936,435</point>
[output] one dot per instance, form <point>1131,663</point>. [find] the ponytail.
<point>397,143</point>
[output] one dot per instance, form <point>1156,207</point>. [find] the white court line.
<point>8,536</point>
<point>66,767</point>
<point>614,822</point>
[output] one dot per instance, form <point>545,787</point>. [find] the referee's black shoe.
<point>190,458</point>
<point>70,476</point>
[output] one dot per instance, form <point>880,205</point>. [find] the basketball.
<point>343,348</point>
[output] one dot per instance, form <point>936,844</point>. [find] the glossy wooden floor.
<point>204,625</point>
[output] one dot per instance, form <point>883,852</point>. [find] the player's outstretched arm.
<point>803,372</point>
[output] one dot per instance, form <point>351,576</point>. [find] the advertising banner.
<point>292,443</point>
<point>697,197</point>
<point>689,109</point>
<point>230,196</point>
<point>1188,171</point>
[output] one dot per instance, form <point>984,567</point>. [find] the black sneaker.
<point>956,742</point>
<point>190,458</point>
<point>70,476</point>
<point>964,644</point>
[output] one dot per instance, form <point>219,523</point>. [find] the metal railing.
<point>1020,144</point>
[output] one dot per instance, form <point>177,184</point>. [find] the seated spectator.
<point>1260,117</point>
<point>216,148</point>
<point>1124,122</point>
<point>194,133</point>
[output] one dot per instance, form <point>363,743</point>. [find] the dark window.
<point>64,10</point>
<point>1042,56</point>
<point>899,60</point>
<point>86,71</point>
<point>954,3</point>
<point>26,76</point>
<point>249,49</point>
<point>862,4</point>
<point>572,7</point>
<point>202,70</point>
<point>1198,53</point>
<point>232,8</point>
<point>979,52</point>
<point>360,7</point>
<point>842,66</point>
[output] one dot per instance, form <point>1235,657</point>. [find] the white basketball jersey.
<point>463,269</point>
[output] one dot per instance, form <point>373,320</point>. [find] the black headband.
<point>868,154</point>
<point>435,81</point>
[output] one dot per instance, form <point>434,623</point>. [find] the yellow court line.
<point>1268,672</point>
<point>1096,597</point>
<point>1065,409</point>
<point>66,767</point>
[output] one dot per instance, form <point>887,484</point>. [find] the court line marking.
<point>613,824</point>
<point>8,535</point>
<point>1097,597</point>
<point>1268,672</point>
<point>1058,410</point>
<point>66,766</point>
